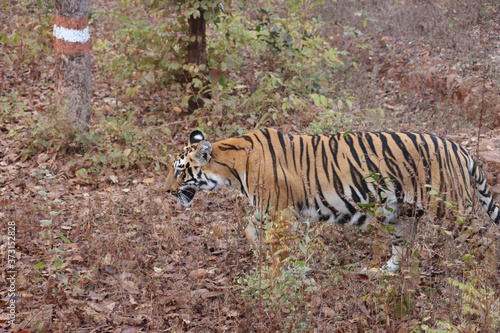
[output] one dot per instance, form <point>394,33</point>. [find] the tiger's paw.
<point>376,272</point>
<point>389,269</point>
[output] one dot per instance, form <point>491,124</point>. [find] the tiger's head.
<point>187,175</point>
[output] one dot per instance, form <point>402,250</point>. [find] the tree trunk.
<point>197,53</point>
<point>197,49</point>
<point>73,63</point>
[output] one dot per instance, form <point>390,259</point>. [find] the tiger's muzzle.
<point>185,195</point>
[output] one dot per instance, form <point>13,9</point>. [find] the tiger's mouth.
<point>186,195</point>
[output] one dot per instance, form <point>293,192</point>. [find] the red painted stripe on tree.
<point>71,47</point>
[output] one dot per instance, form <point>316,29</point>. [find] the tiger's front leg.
<point>275,239</point>
<point>252,233</point>
<point>253,229</point>
<point>255,233</point>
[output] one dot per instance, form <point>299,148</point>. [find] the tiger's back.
<point>324,177</point>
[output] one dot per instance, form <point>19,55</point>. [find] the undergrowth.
<point>95,223</point>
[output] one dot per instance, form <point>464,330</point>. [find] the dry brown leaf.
<point>233,313</point>
<point>215,75</point>
<point>362,276</point>
<point>132,300</point>
<point>97,317</point>
<point>111,306</point>
<point>96,307</point>
<point>42,316</point>
<point>130,287</point>
<point>198,273</point>
<point>82,173</point>
<point>199,292</point>
<point>97,297</point>
<point>328,311</point>
<point>107,259</point>
<point>42,158</point>
<point>128,320</point>
<point>148,180</point>
<point>363,309</point>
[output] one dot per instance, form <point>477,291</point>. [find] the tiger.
<point>327,177</point>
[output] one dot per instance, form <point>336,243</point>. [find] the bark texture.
<point>197,53</point>
<point>73,73</point>
<point>197,49</point>
<point>72,8</point>
<point>73,92</point>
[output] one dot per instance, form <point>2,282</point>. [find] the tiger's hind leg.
<point>402,224</point>
<point>399,244</point>
<point>404,227</point>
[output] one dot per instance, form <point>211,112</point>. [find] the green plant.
<point>444,327</point>
<point>54,267</point>
<point>151,53</point>
<point>33,35</point>
<point>11,111</point>
<point>339,115</point>
<point>285,291</point>
<point>477,306</point>
<point>378,204</point>
<point>122,143</point>
<point>479,301</point>
<point>296,50</point>
<point>56,270</point>
<point>291,252</point>
<point>365,17</point>
<point>154,48</point>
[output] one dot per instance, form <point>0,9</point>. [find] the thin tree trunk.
<point>197,54</point>
<point>73,63</point>
<point>197,49</point>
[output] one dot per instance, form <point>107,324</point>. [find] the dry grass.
<point>421,61</point>
<point>146,264</point>
<point>139,262</point>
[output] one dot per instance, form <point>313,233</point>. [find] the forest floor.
<point>120,255</point>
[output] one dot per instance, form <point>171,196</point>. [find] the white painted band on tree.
<point>71,35</point>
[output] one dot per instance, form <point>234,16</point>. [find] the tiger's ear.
<point>195,137</point>
<point>203,153</point>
